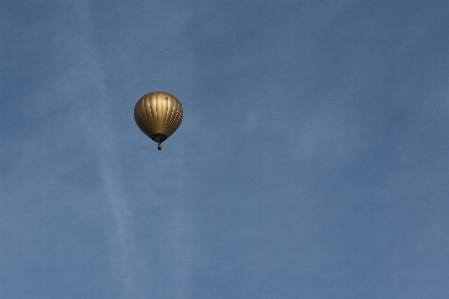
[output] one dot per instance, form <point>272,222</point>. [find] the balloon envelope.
<point>158,114</point>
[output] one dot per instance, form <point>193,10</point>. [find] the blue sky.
<point>312,161</point>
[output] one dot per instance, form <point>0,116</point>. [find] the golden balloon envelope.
<point>158,115</point>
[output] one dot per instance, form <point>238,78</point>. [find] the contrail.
<point>97,123</point>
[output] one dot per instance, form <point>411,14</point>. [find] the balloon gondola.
<point>158,115</point>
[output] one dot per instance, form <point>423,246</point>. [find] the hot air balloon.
<point>158,115</point>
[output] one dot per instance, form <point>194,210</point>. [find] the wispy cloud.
<point>176,242</point>
<point>86,80</point>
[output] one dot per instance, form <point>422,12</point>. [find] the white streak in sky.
<point>98,123</point>
<point>177,230</point>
